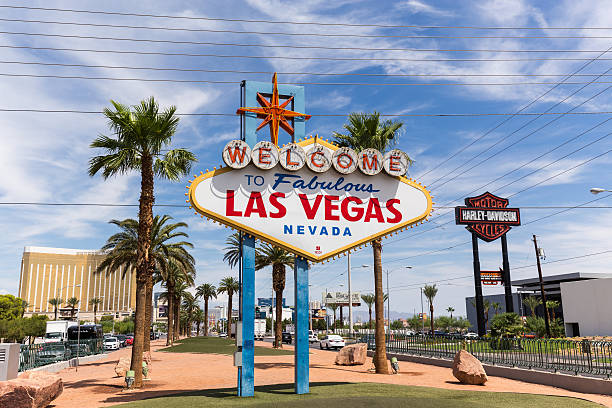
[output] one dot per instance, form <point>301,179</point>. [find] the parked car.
<point>129,340</point>
<point>332,341</point>
<point>122,338</point>
<point>52,352</point>
<point>287,338</point>
<point>470,335</point>
<point>223,335</point>
<point>312,337</point>
<point>111,343</point>
<point>83,349</point>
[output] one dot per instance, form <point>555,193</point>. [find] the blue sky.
<point>44,155</point>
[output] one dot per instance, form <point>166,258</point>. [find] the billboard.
<point>341,298</point>
<point>311,198</point>
<point>319,313</point>
<point>268,302</point>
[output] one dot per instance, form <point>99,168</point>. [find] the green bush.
<point>506,325</point>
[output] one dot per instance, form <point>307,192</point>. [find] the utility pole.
<point>535,245</point>
<point>350,293</point>
<point>388,307</point>
<point>422,316</point>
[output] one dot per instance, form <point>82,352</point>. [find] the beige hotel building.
<point>47,273</point>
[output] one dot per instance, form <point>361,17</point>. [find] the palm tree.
<point>172,277</point>
<point>430,292</point>
<point>551,305</point>
<point>24,305</point>
<point>228,285</point>
<point>142,132</point>
<point>532,303</point>
<point>496,308</point>
<point>189,305</point>
<point>72,302</point>
<point>450,310</point>
<point>122,251</point>
<point>333,307</point>
<point>232,250</point>
<point>368,299</point>
<point>180,292</point>
<point>206,291</point>
<point>279,259</point>
<point>368,131</point>
<point>55,302</point>
<point>486,305</point>
<point>95,302</point>
<point>198,318</point>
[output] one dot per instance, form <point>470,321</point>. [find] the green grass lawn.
<point>361,395</point>
<point>217,345</point>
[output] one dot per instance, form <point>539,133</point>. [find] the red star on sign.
<point>273,113</point>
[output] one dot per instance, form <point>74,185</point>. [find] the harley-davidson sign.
<point>312,198</point>
<point>488,216</point>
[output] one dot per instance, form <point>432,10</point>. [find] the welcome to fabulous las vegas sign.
<point>312,197</point>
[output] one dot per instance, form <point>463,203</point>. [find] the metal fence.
<point>37,355</point>
<point>586,357</point>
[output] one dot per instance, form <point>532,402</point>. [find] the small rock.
<point>468,370</point>
<point>353,354</point>
<point>122,366</point>
<point>32,389</point>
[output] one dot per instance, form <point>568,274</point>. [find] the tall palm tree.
<point>55,302</point>
<point>430,292</point>
<point>368,131</point>
<point>206,291</point>
<point>232,250</point>
<point>532,303</point>
<point>173,277</point>
<point>180,292</point>
<point>95,302</point>
<point>122,251</point>
<point>189,305</point>
<point>198,319</point>
<point>72,302</point>
<point>551,305</point>
<point>368,299</point>
<point>450,310</point>
<point>279,259</point>
<point>228,285</point>
<point>333,307</point>
<point>141,133</point>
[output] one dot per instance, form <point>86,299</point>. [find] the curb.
<point>577,383</point>
<point>60,365</point>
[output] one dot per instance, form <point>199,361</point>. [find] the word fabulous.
<point>292,157</point>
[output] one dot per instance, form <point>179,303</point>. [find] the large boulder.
<point>122,366</point>
<point>353,354</point>
<point>32,389</point>
<point>468,370</point>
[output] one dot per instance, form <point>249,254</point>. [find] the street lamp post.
<point>389,298</point>
<point>350,292</point>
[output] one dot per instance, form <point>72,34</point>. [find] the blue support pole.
<point>246,373</point>
<point>301,326</point>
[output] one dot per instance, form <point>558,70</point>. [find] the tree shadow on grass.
<point>277,389</point>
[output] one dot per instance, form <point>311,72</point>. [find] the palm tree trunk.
<point>148,312</point>
<point>145,221</point>
<point>370,313</point>
<point>341,318</point>
<point>177,317</point>
<point>205,316</point>
<point>229,314</point>
<point>431,320</point>
<point>170,335</point>
<point>380,360</point>
<point>278,324</point>
<point>55,312</point>
<point>95,312</point>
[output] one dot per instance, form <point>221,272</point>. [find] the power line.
<point>322,115</point>
<point>297,83</point>
<point>507,119</point>
<point>565,259</point>
<point>208,30</point>
<point>285,46</point>
<point>224,71</point>
<point>283,57</point>
<point>116,13</point>
<point>517,130</point>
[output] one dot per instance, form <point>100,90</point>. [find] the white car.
<point>312,337</point>
<point>332,341</point>
<point>470,335</point>
<point>111,343</point>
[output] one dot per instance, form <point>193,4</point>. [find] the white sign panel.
<point>341,298</point>
<point>313,214</point>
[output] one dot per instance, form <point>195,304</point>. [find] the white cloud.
<point>416,6</point>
